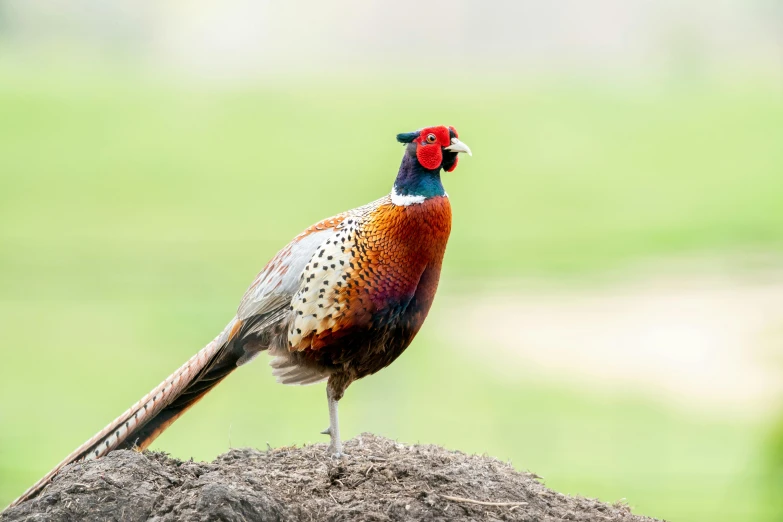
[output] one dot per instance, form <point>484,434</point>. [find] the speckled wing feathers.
<point>316,305</point>
<point>277,283</point>
<point>321,307</point>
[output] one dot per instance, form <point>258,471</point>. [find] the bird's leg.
<point>335,388</point>
<point>336,445</point>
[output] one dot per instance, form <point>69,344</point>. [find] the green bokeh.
<point>133,216</point>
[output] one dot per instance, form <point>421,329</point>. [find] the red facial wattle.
<point>430,156</point>
<point>430,153</point>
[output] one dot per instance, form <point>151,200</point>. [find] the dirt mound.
<point>381,480</point>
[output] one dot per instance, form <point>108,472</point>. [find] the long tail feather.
<point>153,413</point>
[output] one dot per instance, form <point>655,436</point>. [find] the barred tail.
<point>149,417</point>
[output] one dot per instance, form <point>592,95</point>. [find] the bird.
<point>340,302</point>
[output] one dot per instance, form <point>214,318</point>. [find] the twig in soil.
<point>481,502</point>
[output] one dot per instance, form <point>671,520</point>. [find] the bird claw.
<point>327,431</point>
<point>336,455</point>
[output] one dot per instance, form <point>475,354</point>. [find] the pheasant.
<point>341,301</point>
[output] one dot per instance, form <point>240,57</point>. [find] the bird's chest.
<point>396,245</point>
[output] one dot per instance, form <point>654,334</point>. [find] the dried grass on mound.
<point>381,480</point>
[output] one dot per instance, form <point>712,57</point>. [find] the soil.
<point>380,480</point>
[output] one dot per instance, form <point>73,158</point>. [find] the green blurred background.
<point>154,156</point>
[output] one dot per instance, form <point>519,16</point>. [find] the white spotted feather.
<point>315,304</point>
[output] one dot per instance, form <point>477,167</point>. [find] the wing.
<point>333,297</point>
<point>268,299</point>
<point>317,304</point>
<point>297,302</point>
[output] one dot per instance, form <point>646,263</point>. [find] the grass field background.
<point>133,215</point>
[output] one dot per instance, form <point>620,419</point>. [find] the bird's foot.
<point>336,453</point>
<point>335,449</point>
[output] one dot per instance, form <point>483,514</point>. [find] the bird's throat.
<point>414,183</point>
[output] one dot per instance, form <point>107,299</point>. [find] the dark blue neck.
<point>415,180</point>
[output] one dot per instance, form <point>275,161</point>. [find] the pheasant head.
<point>427,152</point>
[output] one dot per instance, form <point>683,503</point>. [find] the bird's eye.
<point>431,138</point>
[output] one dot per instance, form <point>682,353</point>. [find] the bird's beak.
<point>458,146</point>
